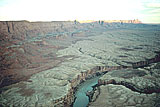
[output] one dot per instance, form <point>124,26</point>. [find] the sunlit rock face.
<point>41,63</point>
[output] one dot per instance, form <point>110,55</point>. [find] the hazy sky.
<point>148,11</point>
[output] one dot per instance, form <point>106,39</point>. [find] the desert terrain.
<point>42,64</point>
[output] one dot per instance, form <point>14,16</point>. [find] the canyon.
<point>43,63</point>
<point>130,87</point>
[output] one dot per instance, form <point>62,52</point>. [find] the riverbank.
<point>133,87</point>
<point>126,72</point>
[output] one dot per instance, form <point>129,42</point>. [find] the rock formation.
<point>42,63</point>
<point>132,87</point>
<point>23,42</point>
<point>22,45</point>
<point>112,21</point>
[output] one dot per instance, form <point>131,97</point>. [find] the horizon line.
<point>80,21</point>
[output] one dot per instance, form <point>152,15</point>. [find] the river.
<point>81,99</point>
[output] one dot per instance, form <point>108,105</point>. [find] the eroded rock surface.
<point>122,88</point>
<point>53,58</point>
<point>120,96</point>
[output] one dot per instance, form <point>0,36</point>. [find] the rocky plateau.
<point>42,63</point>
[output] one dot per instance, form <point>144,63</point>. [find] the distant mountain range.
<point>112,21</point>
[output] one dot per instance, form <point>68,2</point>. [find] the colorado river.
<point>81,99</point>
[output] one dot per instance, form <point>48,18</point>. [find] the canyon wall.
<point>22,29</point>
<point>25,47</point>
<point>147,62</point>
<point>17,29</point>
<point>42,63</point>
<point>23,44</point>
<point>99,70</point>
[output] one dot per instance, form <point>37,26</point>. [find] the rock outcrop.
<point>147,62</point>
<point>127,87</point>
<point>120,96</point>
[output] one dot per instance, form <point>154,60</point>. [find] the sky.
<point>148,11</point>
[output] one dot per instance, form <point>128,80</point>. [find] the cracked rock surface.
<point>132,87</point>
<point>52,61</point>
<point>120,96</point>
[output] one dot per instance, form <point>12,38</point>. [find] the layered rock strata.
<point>65,100</point>
<point>99,70</point>
<point>132,87</point>
<point>52,63</point>
<point>30,47</point>
<point>147,62</point>
<point>124,71</point>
